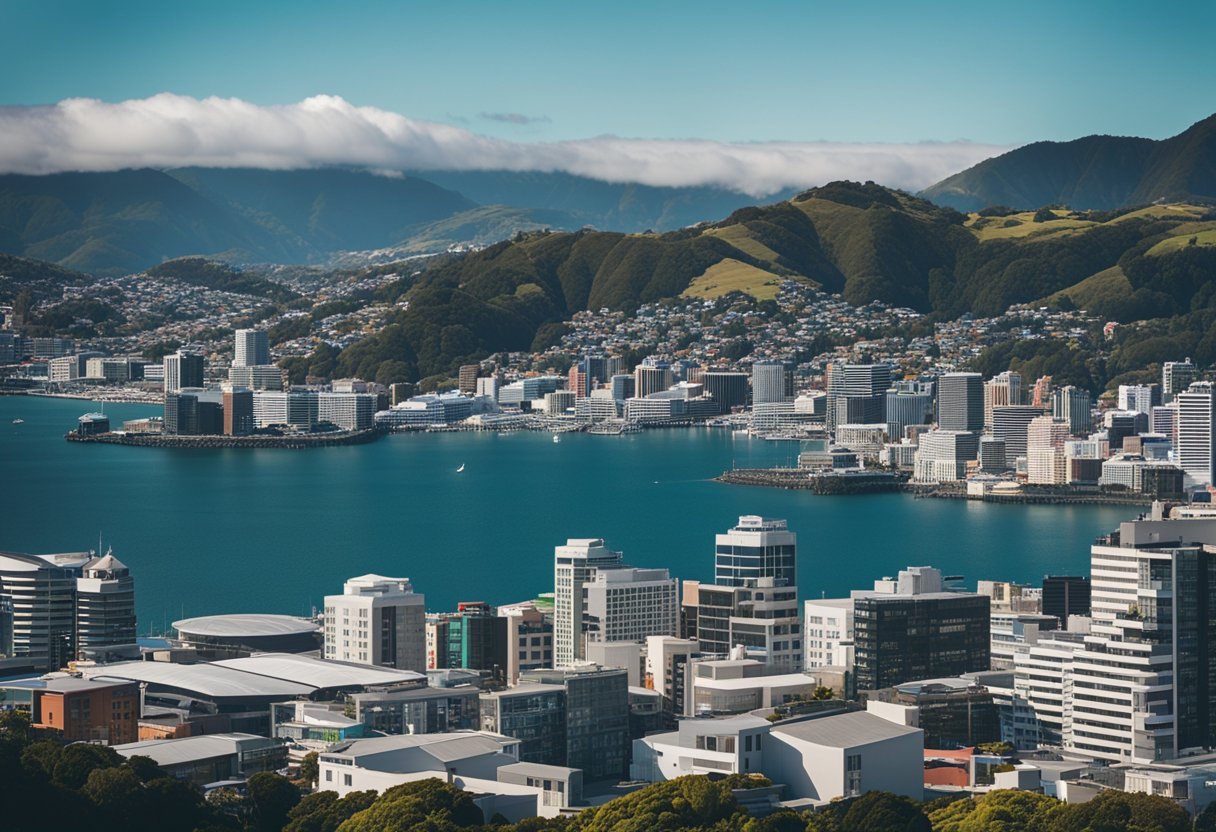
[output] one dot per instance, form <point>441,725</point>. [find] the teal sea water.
<point>212,531</point>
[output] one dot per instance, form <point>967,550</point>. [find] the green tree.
<point>271,797</point>
<point>145,768</point>
<point>424,804</point>
<point>309,768</point>
<point>115,792</point>
<point>999,810</point>
<point>884,812</point>
<point>79,760</point>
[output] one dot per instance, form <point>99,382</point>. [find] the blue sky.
<point>997,73</point>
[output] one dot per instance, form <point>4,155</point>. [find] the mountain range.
<point>1094,172</point>
<point>125,221</point>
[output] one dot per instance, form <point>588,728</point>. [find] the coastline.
<point>302,441</point>
<point>872,482</point>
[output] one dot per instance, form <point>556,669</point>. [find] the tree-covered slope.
<point>1094,172</point>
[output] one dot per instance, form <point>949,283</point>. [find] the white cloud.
<point>169,130</point>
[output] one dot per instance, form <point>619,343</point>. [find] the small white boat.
<point>18,421</point>
<point>460,470</point>
<point>556,439</point>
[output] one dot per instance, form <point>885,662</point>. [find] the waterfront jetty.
<point>292,441</point>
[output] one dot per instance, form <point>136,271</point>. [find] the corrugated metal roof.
<point>189,749</point>
<point>210,680</point>
<point>245,624</point>
<point>845,730</point>
<point>319,673</point>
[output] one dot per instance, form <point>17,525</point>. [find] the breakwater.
<point>297,441</point>
<point>852,482</point>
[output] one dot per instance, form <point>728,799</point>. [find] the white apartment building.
<point>1045,437</point>
<point>942,455</point>
<point>377,621</point>
<point>1196,448</point>
<point>629,604</point>
<point>257,377</point>
<point>828,633</point>
<point>251,348</point>
<point>574,566</point>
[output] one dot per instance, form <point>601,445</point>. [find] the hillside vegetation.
<point>862,240</point>
<point>1094,172</point>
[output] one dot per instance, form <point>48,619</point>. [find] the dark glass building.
<point>1065,595</point>
<point>900,638</point>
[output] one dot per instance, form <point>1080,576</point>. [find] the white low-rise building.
<point>480,762</point>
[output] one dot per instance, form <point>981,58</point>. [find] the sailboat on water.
<point>460,470</point>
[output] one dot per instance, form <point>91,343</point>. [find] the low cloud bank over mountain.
<point>170,130</point>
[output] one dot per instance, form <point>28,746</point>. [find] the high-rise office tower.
<point>473,637</point>
<point>729,390</point>
<point>466,378</point>
<point>1002,390</point>
<point>1041,394</point>
<point>238,412</point>
<point>1139,398</point>
<point>182,369</point>
<point>377,621</point>
<point>772,381</point>
<point>652,376</point>
<point>758,547</point>
<point>105,604</point>
<point>574,565</point>
<point>856,393</point>
<point>960,402</point>
<point>42,591</point>
<point>1164,420</point>
<point>1010,423</point>
<point>907,405</point>
<point>1045,437</point>
<point>1196,451</point>
<point>942,455</point>
<point>252,348</point>
<point>1073,405</point>
<point>1176,376</point>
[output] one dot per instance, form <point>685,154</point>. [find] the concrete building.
<point>856,393</point>
<point>1045,436</point>
<point>769,382</point>
<point>1011,424</point>
<point>575,565</point>
<point>576,717</point>
<point>377,621</point>
<point>347,411</point>
<point>182,369</point>
<point>628,604</point>
<point>942,455</point>
<point>817,760</point>
<point>42,592</point>
<point>529,638</point>
<point>1176,376</point>
<point>757,547</point>
<point>1074,406</point>
<point>668,660</point>
<point>421,710</point>
<point>1196,447</point>
<point>251,348</point>
<point>258,377</point>
<point>1139,398</point>
<point>738,686</point>
<point>904,406</point>
<point>1002,390</point>
<point>828,633</point>
<point>484,764</point>
<point>960,402</point>
<point>474,637</point>
<point>1065,596</point>
<point>760,617</point>
<point>238,412</point>
<point>466,378</point>
<point>651,376</point>
<point>212,758</point>
<point>105,604</point>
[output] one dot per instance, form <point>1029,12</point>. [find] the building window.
<point>329,776</point>
<point>346,779</point>
<point>852,776</point>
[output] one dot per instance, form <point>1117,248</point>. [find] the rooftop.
<point>209,680</point>
<point>319,673</point>
<point>245,624</point>
<point>845,730</point>
<point>189,749</point>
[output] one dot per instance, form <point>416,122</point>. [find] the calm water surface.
<point>211,531</point>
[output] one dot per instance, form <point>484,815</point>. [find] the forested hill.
<point>865,241</point>
<point>1094,172</point>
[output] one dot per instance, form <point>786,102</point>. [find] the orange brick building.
<point>83,710</point>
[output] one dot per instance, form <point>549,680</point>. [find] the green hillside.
<point>865,241</point>
<point>1094,172</point>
